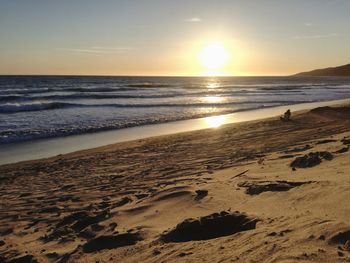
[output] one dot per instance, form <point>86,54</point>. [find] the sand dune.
<point>262,191</point>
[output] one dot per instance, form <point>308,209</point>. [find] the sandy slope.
<point>113,204</point>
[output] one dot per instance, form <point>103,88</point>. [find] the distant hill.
<point>342,71</point>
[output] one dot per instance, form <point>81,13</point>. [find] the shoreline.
<point>124,202</point>
<point>49,147</point>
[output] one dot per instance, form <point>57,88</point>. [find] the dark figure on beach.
<point>286,116</point>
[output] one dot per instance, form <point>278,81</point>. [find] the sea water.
<point>33,107</point>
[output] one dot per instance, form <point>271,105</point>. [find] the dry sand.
<point>132,202</point>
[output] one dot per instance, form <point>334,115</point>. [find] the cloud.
<point>193,20</point>
<point>98,50</point>
<point>80,50</point>
<point>316,36</point>
<point>308,24</point>
<point>115,49</point>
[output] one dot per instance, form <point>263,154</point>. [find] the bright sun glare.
<point>213,56</point>
<point>214,121</point>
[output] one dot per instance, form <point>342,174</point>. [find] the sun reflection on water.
<point>213,99</point>
<point>215,121</point>
<point>212,85</point>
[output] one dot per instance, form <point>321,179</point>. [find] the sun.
<point>214,56</point>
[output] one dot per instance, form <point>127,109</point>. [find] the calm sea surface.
<point>42,107</point>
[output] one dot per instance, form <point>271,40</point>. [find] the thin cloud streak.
<point>98,50</point>
<point>317,36</point>
<point>193,20</point>
<point>120,49</point>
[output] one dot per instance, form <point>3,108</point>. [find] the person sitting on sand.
<point>286,116</point>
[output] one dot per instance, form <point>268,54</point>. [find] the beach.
<point>174,131</point>
<point>258,191</point>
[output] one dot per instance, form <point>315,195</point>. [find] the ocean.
<point>33,107</point>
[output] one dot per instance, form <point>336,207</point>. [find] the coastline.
<point>123,202</point>
<point>45,148</point>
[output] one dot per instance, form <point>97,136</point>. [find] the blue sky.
<point>105,37</point>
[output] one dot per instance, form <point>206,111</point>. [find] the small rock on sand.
<point>312,159</point>
<point>340,238</point>
<point>201,194</point>
<point>208,227</point>
<point>111,242</point>
<point>258,187</point>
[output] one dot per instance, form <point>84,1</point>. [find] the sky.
<point>163,37</point>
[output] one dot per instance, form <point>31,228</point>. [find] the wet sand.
<point>260,191</point>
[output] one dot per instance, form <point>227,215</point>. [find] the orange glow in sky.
<point>176,38</point>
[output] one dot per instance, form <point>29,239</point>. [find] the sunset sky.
<point>182,37</point>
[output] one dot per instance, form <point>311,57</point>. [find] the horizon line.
<point>155,76</point>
